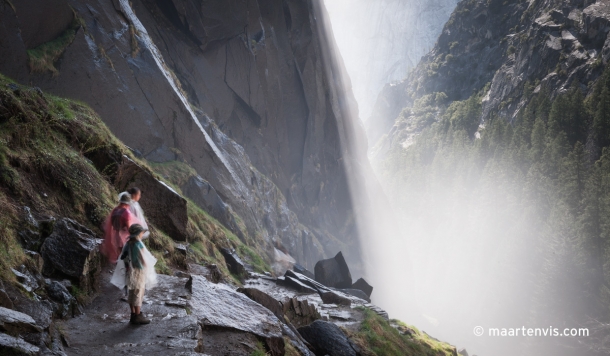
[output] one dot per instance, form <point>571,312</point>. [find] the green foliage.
<point>377,337</point>
<point>465,115</point>
<point>260,350</point>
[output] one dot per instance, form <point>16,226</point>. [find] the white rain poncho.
<point>135,268</point>
<point>136,210</point>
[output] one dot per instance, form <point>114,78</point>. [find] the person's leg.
<point>139,318</point>
<point>136,310</point>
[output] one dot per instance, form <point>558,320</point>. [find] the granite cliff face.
<point>513,46</point>
<point>238,90</point>
<point>382,40</point>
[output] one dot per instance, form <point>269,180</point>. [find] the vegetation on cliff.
<point>48,153</point>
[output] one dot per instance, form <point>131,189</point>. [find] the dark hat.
<point>136,229</point>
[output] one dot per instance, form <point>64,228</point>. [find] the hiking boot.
<point>139,319</point>
<point>133,318</point>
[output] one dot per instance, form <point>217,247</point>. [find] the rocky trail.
<point>193,316</point>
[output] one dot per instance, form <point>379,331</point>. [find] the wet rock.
<point>160,203</point>
<point>335,298</point>
<point>296,285</point>
<point>297,341</point>
<point>14,323</point>
<point>356,293</point>
<point>265,300</point>
<point>299,312</point>
<point>211,272</point>
<point>234,263</point>
<point>463,352</point>
<point>311,283</point>
<point>28,281</point>
<point>13,346</point>
<point>220,306</point>
<point>65,302</point>
<point>382,313</point>
<point>328,339</point>
<point>304,271</point>
<point>72,250</point>
<point>363,286</point>
<point>333,272</point>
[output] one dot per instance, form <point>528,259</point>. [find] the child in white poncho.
<point>136,270</point>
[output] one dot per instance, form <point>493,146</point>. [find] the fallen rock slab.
<point>217,305</point>
<point>72,250</point>
<point>160,203</point>
<point>13,346</point>
<point>356,293</point>
<point>14,323</point>
<point>265,300</point>
<point>363,286</point>
<point>333,272</point>
<point>335,298</point>
<point>328,339</point>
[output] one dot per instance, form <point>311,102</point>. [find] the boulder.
<point>463,352</point>
<point>356,293</point>
<point>296,285</point>
<point>318,287</point>
<point>72,250</point>
<point>219,306</point>
<point>333,272</point>
<point>327,339</point>
<point>363,286</point>
<point>14,346</point>
<point>234,263</point>
<point>162,206</point>
<point>335,298</point>
<point>211,272</point>
<point>64,301</point>
<point>265,300</point>
<point>14,323</point>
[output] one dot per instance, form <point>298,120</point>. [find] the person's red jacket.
<point>116,231</point>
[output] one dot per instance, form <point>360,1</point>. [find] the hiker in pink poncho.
<point>116,229</point>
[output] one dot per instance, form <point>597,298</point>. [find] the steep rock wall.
<point>239,90</point>
<point>508,45</point>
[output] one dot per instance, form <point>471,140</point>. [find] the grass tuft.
<point>377,337</point>
<point>43,57</point>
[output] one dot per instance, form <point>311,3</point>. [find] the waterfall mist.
<point>451,239</point>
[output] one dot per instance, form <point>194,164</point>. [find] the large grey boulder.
<point>333,272</point>
<point>328,339</point>
<point>219,306</point>
<point>234,263</point>
<point>72,250</point>
<point>14,323</point>
<point>362,285</point>
<point>162,205</point>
